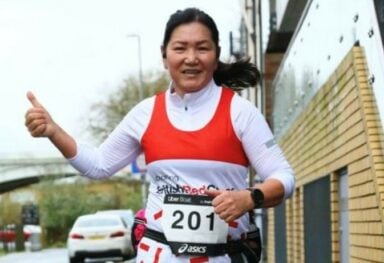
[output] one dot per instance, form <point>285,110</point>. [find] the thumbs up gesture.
<point>40,124</point>
<point>38,120</point>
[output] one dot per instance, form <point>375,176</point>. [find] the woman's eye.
<point>203,48</point>
<point>179,49</point>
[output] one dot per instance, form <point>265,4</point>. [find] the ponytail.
<point>237,75</point>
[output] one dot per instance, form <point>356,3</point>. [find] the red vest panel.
<point>216,141</point>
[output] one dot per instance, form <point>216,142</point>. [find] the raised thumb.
<point>31,97</point>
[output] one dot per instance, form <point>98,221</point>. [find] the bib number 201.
<point>193,220</point>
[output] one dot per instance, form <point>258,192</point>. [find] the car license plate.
<point>96,237</point>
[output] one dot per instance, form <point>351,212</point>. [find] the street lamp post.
<point>137,36</point>
<point>142,171</point>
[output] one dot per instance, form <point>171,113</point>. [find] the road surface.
<point>56,255</point>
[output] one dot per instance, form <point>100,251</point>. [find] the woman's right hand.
<point>40,124</point>
<point>38,120</point>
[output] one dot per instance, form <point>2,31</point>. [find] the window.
<point>343,216</point>
<point>317,221</point>
<point>280,234</point>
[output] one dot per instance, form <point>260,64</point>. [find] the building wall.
<point>272,63</point>
<point>340,128</point>
<point>327,31</point>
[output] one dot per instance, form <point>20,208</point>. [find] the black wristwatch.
<point>257,197</point>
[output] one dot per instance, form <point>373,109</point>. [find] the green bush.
<point>60,205</point>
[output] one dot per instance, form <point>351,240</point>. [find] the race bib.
<point>191,226</point>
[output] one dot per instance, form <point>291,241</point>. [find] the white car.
<point>99,236</point>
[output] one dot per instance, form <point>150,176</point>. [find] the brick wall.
<point>340,128</point>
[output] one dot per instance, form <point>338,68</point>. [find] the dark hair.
<point>237,75</point>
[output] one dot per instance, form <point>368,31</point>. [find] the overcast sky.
<point>72,53</point>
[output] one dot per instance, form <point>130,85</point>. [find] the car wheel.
<point>129,256</point>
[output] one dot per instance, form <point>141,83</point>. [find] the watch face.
<point>258,197</point>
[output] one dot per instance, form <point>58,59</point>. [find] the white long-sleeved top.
<point>189,113</point>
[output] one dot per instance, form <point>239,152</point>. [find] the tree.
<point>105,115</point>
<point>10,211</point>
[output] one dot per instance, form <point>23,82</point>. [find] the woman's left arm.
<point>277,181</point>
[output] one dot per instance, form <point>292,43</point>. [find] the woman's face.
<point>191,57</point>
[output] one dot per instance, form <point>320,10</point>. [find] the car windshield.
<point>128,220</point>
<point>92,222</point>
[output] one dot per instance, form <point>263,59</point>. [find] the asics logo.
<point>192,249</point>
<point>183,248</point>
